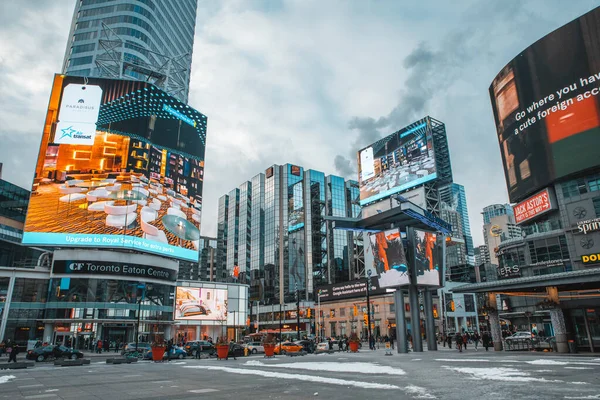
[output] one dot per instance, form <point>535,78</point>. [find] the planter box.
<point>353,346</point>
<point>158,352</point>
<point>269,350</point>
<point>222,351</point>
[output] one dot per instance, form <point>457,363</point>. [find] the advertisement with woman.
<point>201,304</point>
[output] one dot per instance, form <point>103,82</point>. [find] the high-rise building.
<point>272,233</point>
<point>499,226</point>
<point>149,40</point>
<point>453,196</point>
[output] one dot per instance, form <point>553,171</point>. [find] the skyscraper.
<point>150,40</point>
<point>272,231</point>
<point>499,225</point>
<point>453,196</point>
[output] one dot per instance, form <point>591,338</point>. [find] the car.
<point>177,352</point>
<point>322,347</point>
<point>519,336</point>
<point>51,352</point>
<point>235,350</point>
<point>307,345</point>
<point>204,346</point>
<point>255,347</point>
<point>287,347</point>
<point>142,348</point>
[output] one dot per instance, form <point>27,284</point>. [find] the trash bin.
<point>572,346</point>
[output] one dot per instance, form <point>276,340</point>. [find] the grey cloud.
<point>344,166</point>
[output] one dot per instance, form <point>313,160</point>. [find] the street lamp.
<point>369,304</point>
<point>137,333</point>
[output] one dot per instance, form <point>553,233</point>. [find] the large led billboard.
<point>546,107</point>
<point>397,162</point>
<point>120,165</point>
<point>201,304</point>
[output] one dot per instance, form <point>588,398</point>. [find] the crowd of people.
<point>464,339</point>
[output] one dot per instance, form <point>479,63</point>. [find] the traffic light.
<point>435,311</point>
<point>308,313</point>
<point>452,306</point>
<point>366,319</point>
<point>355,311</point>
<point>331,314</point>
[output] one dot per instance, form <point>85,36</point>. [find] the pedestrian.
<point>14,350</point>
<point>231,350</point>
<point>169,350</point>
<point>372,342</point>
<point>459,341</point>
<point>485,340</point>
<point>330,344</point>
<point>476,339</point>
<point>449,340</point>
<point>99,346</point>
<point>106,345</point>
<point>392,342</point>
<point>117,345</point>
<point>465,339</point>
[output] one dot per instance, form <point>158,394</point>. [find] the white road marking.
<point>203,390</point>
<point>28,386</point>
<point>40,396</point>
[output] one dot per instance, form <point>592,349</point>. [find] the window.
<point>596,202</point>
<point>574,188</point>
<point>594,183</point>
<point>342,312</point>
<point>392,307</point>
<point>449,301</point>
<point>469,303</point>
<point>80,61</point>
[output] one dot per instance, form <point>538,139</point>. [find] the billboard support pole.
<point>369,305</point>
<point>413,293</point>
<point>429,321</point>
<point>400,321</point>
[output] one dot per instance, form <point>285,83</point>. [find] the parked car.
<point>519,336</point>
<point>235,350</point>
<point>307,345</point>
<point>322,347</point>
<point>141,346</point>
<point>50,352</point>
<point>177,352</point>
<point>287,347</point>
<point>255,347</point>
<point>192,347</point>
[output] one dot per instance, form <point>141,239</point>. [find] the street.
<point>445,374</point>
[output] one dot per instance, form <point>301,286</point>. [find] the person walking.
<point>106,345</point>
<point>459,341</point>
<point>117,345</point>
<point>392,342</point>
<point>476,339</point>
<point>99,346</point>
<point>485,340</point>
<point>169,350</point>
<point>449,340</point>
<point>14,350</point>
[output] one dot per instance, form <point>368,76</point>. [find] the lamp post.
<point>297,313</point>
<point>319,315</point>
<point>137,333</point>
<point>369,305</point>
<point>280,323</point>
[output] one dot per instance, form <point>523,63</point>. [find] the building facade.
<point>147,40</point>
<point>273,236</point>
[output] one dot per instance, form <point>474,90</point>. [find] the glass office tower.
<point>149,40</point>
<point>274,232</point>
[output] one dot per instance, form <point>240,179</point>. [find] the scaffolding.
<point>169,73</point>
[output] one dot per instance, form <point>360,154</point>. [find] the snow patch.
<point>6,378</point>
<point>546,362</point>
<point>499,374</point>
<point>307,378</point>
<point>462,359</point>
<point>543,370</point>
<point>590,397</point>
<point>578,368</point>
<point>356,367</point>
<point>419,392</point>
<point>579,383</point>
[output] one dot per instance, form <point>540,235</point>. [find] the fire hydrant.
<point>245,352</point>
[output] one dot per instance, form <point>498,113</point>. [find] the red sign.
<point>533,206</point>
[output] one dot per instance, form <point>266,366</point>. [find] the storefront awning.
<point>565,281</point>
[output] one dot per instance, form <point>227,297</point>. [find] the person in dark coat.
<point>169,350</point>
<point>106,345</point>
<point>12,356</point>
<point>485,340</point>
<point>459,341</point>
<point>449,340</point>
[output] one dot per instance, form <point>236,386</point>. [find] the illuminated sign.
<point>180,115</point>
<point>113,268</point>
<point>534,206</point>
<point>509,272</point>
<point>201,304</point>
<point>590,258</point>
<point>590,225</point>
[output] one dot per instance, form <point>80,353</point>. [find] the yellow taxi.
<point>287,347</point>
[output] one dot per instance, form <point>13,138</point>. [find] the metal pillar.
<point>401,340</point>
<point>495,325</point>
<point>560,331</point>
<point>429,321</point>
<point>415,317</point>
<point>6,309</point>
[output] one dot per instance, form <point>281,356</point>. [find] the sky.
<point>306,82</point>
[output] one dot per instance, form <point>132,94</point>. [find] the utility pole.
<point>369,304</point>
<point>297,312</point>
<point>319,314</point>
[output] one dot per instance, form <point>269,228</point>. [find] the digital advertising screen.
<point>201,304</point>
<point>120,165</point>
<point>295,207</point>
<point>397,162</point>
<point>390,263</point>
<point>546,107</point>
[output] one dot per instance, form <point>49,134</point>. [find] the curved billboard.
<point>121,165</point>
<point>546,107</point>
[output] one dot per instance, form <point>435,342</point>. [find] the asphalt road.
<point>366,375</point>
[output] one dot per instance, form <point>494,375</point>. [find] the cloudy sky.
<point>306,82</point>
